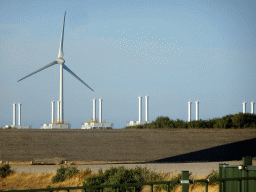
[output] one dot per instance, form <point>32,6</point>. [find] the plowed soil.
<point>158,145</point>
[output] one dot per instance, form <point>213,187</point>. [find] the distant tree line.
<point>239,120</point>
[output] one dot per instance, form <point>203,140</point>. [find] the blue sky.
<point>172,51</point>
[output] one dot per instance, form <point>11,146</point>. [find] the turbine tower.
<point>61,62</point>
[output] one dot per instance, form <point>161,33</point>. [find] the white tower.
<point>197,110</point>
<point>252,107</point>
<point>52,112</point>
<point>244,107</point>
<point>19,108</point>
<point>100,112</point>
<point>14,114</point>
<point>61,62</point>
<point>146,108</point>
<point>58,111</point>
<point>94,110</point>
<point>189,111</point>
<point>139,108</point>
<point>61,94</point>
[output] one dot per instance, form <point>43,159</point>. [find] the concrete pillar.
<point>197,110</point>
<point>94,110</point>
<point>244,107</point>
<point>139,108</point>
<point>100,110</point>
<point>14,114</point>
<point>189,111</point>
<point>146,108</point>
<point>252,107</point>
<point>58,111</point>
<point>52,112</point>
<point>19,108</point>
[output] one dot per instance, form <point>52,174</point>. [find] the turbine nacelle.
<point>60,61</point>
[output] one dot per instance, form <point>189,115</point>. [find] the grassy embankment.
<point>71,177</point>
<point>235,121</point>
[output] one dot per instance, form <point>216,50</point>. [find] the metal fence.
<point>243,171</point>
<point>235,178</point>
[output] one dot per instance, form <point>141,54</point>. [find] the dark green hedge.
<point>239,120</point>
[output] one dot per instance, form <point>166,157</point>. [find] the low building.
<point>56,125</point>
<point>96,125</point>
<point>134,123</point>
<point>17,127</point>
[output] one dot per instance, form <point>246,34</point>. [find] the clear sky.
<point>172,51</point>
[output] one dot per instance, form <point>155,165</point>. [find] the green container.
<point>231,171</point>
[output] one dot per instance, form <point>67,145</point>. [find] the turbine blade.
<point>61,54</point>
<point>48,65</point>
<point>68,70</point>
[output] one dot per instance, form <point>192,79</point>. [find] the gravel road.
<point>198,169</point>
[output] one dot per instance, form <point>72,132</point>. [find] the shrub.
<point>5,170</point>
<point>71,171</point>
<point>121,175</point>
<point>64,173</point>
<point>172,186</point>
<point>214,175</point>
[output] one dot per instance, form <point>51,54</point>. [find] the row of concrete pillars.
<point>94,111</point>
<point>252,107</point>
<point>189,111</point>
<point>58,111</point>
<point>197,109</point>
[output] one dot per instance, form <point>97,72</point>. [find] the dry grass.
<point>21,181</point>
<point>17,163</point>
<point>73,162</point>
<point>38,180</point>
<point>199,188</point>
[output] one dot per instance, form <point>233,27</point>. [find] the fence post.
<point>206,186</point>
<point>168,187</point>
<point>151,188</point>
<point>185,181</point>
<point>246,161</point>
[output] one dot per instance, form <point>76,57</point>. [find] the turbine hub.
<point>60,61</point>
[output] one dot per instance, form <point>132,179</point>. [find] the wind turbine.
<point>61,62</point>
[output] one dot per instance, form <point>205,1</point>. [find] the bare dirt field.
<point>155,146</point>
